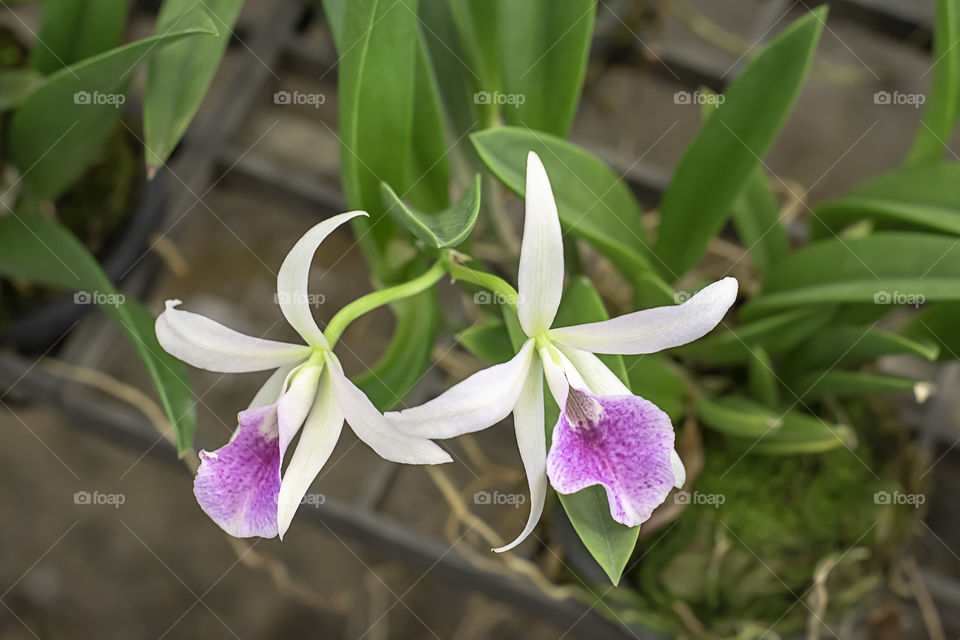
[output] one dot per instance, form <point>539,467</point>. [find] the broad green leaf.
<point>761,378</point>
<point>544,46</point>
<point>841,384</point>
<point>938,323</point>
<point>61,126</point>
<point>768,431</point>
<point>377,82</point>
<point>407,357</point>
<point>16,85</point>
<point>943,103</point>
<point>731,143</point>
<point>335,10</point>
<point>444,229</point>
<point>429,169</point>
<point>756,217</point>
<point>591,200</point>
<point>833,347</point>
<point>40,251</point>
<point>654,379</point>
<point>488,341</point>
<point>889,269</point>
<point>72,31</point>
<point>923,196</point>
<point>178,76</point>
<point>477,27</point>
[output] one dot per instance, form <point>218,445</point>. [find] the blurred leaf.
<point>761,378</point>
<point>651,377</point>
<point>178,77</point>
<point>938,323</point>
<point>544,46</point>
<point>441,230</point>
<point>407,358</point>
<point>60,127</point>
<point>943,102</point>
<point>71,31</point>
<point>477,27</point>
<point>732,142</point>
<point>925,196</point>
<point>41,251</point>
<point>429,169</point>
<point>15,85</point>
<point>768,431</point>
<point>835,346</point>
<point>591,200</point>
<point>335,10</point>
<point>488,341</point>
<point>891,269</point>
<point>756,217</point>
<point>841,384</point>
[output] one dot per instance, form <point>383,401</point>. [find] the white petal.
<point>653,330</point>
<point>294,276</point>
<point>540,278</point>
<point>205,344</point>
<point>370,426</point>
<point>482,400</point>
<point>272,388</point>
<point>597,376</point>
<point>553,371</point>
<point>679,471</point>
<point>320,434</point>
<point>296,402</point>
<point>532,442</point>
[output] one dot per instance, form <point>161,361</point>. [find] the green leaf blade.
<point>441,230</point>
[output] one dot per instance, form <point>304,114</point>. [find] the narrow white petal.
<point>296,402</point>
<point>272,388</point>
<point>540,278</point>
<point>679,471</point>
<point>320,434</point>
<point>596,375</point>
<point>532,442</point>
<point>554,373</point>
<point>482,400</point>
<point>294,277</point>
<point>653,330</point>
<point>370,426</point>
<point>205,344</point>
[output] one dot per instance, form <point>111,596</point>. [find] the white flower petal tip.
<point>679,471</point>
<point>206,344</point>
<point>540,277</point>
<point>652,330</point>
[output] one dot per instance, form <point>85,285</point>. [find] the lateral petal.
<point>296,402</point>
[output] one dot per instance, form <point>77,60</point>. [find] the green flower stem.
<point>505,293</point>
<point>371,301</point>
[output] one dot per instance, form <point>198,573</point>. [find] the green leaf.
<point>891,269</point>
<point>178,77</point>
<point>761,378</point>
<point>41,251</point>
<point>729,146</point>
<point>59,128</point>
<point>923,196</point>
<point>377,81</point>
<point>441,230</point>
<point>489,341</point>
<point>833,347</point>
<point>841,384</point>
<point>592,201</point>
<point>756,217</point>
<point>943,103</point>
<point>767,431</point>
<point>72,31</point>
<point>653,378</point>
<point>407,357</point>
<point>938,323</point>
<point>16,85</point>
<point>429,168</point>
<point>544,46</point>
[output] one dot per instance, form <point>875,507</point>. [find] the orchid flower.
<point>606,435</point>
<point>239,485</point>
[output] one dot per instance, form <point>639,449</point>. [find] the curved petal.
<point>679,471</point>
<point>370,426</point>
<point>320,434</point>
<point>270,392</point>
<point>623,443</point>
<point>554,373</point>
<point>532,442</point>
<point>294,276</point>
<point>237,485</point>
<point>540,278</point>
<point>296,402</point>
<point>205,344</point>
<point>482,400</point>
<point>653,330</point>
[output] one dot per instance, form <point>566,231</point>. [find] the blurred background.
<point>101,536</point>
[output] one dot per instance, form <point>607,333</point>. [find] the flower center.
<point>583,412</point>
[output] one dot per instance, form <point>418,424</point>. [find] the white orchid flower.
<point>605,434</point>
<point>239,485</point>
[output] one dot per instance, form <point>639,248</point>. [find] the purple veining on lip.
<point>622,443</point>
<point>237,485</point>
